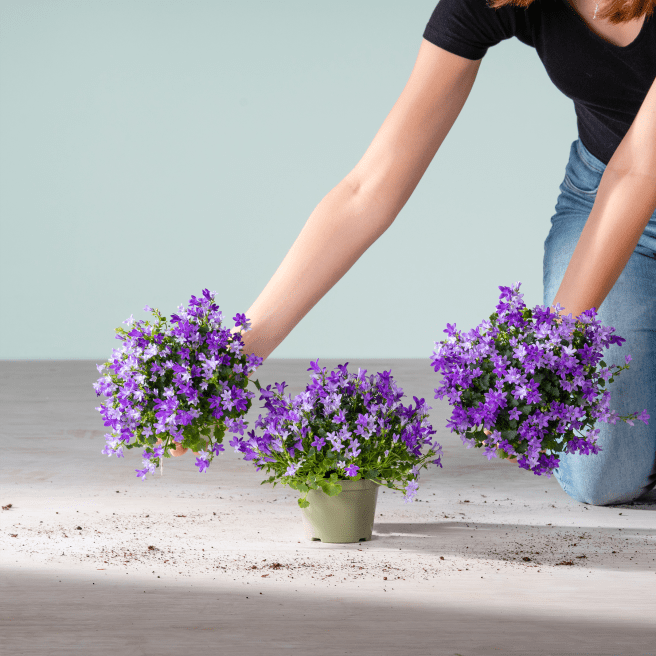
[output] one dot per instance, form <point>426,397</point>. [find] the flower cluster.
<point>179,384</point>
<point>342,427</point>
<point>530,384</point>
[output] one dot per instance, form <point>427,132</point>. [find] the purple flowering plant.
<point>342,427</point>
<point>179,384</point>
<point>521,383</point>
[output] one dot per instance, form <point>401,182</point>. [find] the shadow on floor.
<point>41,615</point>
<point>598,548</point>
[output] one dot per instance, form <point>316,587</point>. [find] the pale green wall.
<point>149,149</point>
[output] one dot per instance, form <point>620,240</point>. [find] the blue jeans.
<point>626,468</point>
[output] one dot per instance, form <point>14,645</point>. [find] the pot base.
<point>346,517</point>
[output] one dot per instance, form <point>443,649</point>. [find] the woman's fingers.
<point>178,451</point>
<point>487,432</point>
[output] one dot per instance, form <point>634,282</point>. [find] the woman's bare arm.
<point>355,213</point>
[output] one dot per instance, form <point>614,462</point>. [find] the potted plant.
<point>336,443</point>
<point>523,382</point>
<point>183,384</point>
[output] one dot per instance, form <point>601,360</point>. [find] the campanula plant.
<point>523,382</point>
<point>342,427</point>
<point>183,383</point>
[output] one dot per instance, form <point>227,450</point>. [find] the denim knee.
<point>610,489</point>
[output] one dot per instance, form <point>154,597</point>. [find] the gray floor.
<point>219,564</point>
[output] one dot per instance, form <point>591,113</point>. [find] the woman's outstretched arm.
<point>355,213</point>
<point>364,204</point>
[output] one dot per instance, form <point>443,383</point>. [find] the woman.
<point>601,249</point>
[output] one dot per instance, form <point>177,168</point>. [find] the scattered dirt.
<point>220,542</point>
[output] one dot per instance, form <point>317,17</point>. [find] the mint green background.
<point>149,149</point>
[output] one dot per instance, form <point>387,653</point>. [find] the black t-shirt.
<point>606,82</point>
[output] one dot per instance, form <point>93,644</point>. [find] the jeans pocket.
<point>580,177</point>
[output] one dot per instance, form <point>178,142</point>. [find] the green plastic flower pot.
<point>346,517</point>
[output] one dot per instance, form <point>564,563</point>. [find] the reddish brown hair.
<point>614,11</point>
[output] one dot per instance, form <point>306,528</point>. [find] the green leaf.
<point>303,503</point>
<point>373,473</point>
<point>302,487</point>
<point>333,490</point>
<point>324,484</point>
<point>195,443</point>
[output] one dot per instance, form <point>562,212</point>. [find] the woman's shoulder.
<point>469,27</point>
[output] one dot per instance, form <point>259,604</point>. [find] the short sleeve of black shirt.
<point>469,27</point>
<point>607,82</point>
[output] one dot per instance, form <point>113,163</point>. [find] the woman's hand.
<point>487,432</point>
<point>179,449</point>
<point>513,460</point>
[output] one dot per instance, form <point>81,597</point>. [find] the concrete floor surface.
<point>490,559</point>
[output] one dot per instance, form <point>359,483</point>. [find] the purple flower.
<point>526,356</point>
<point>318,442</point>
<point>203,461</point>
<point>410,491</point>
<point>491,452</point>
<point>340,418</point>
<point>241,320</point>
<point>154,380</point>
<point>354,411</point>
<point>515,413</point>
<point>292,469</point>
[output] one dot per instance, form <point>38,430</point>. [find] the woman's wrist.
<point>253,344</point>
